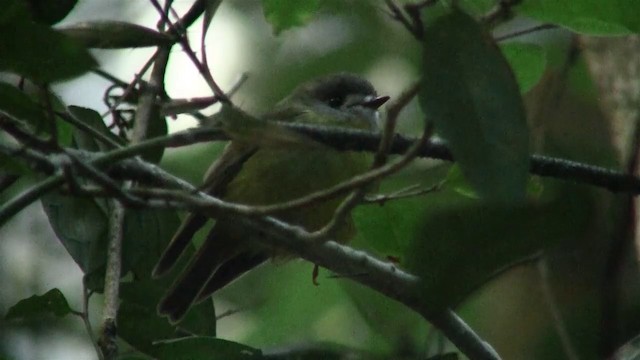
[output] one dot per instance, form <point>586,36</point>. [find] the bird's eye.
<point>335,102</point>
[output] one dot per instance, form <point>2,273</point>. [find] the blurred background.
<point>550,308</point>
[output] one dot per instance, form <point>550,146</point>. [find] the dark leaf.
<point>18,105</point>
<point>200,347</point>
<point>115,35</point>
<point>146,234</point>
<point>50,12</point>
<point>81,226</point>
<point>85,140</point>
<point>471,95</point>
<point>52,302</point>
<point>44,55</point>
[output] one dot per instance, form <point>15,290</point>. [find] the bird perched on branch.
<point>253,171</point>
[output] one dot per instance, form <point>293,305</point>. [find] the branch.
<point>107,342</point>
<point>380,276</point>
<point>341,139</point>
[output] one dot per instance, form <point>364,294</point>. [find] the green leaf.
<point>461,243</point>
<point>50,12</point>
<point>18,105</point>
<point>52,302</point>
<point>81,226</point>
<point>470,93</point>
<point>283,14</point>
<point>528,62</point>
<point>458,183</point>
<point>44,55</point>
<point>146,234</point>
<point>145,295</point>
<point>91,118</point>
<point>592,17</point>
<point>200,347</point>
<point>115,35</point>
<point>456,243</point>
<point>140,326</point>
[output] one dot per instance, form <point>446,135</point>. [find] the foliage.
<point>474,240</point>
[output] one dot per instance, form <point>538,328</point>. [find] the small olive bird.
<point>254,174</point>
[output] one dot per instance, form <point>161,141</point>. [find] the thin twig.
<point>408,192</point>
<point>184,42</point>
<point>71,119</point>
<point>525,32</point>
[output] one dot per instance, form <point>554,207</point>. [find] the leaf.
<point>455,243</point>
<point>81,226</point>
<point>115,35</point>
<point>50,12</point>
<point>200,347</point>
<point>458,183</point>
<point>18,105</point>
<point>470,93</point>
<point>461,243</point>
<point>141,326</point>
<point>283,14</point>
<point>528,62</point>
<point>44,55</point>
<point>92,119</point>
<point>146,234</point>
<point>138,312</point>
<point>592,17</point>
<point>52,302</point>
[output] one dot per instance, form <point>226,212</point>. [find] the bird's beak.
<point>373,102</point>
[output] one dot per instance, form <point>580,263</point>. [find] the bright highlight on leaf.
<point>528,62</point>
<point>285,14</point>
<point>470,93</point>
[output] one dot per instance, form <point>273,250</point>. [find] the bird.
<point>258,174</point>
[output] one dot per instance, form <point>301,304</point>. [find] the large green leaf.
<point>471,95</point>
<point>455,243</point>
<point>593,17</point>
<point>81,225</point>
<point>146,234</point>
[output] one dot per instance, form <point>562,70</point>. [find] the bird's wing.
<point>221,172</point>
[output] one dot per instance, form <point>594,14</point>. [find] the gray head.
<point>341,99</point>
